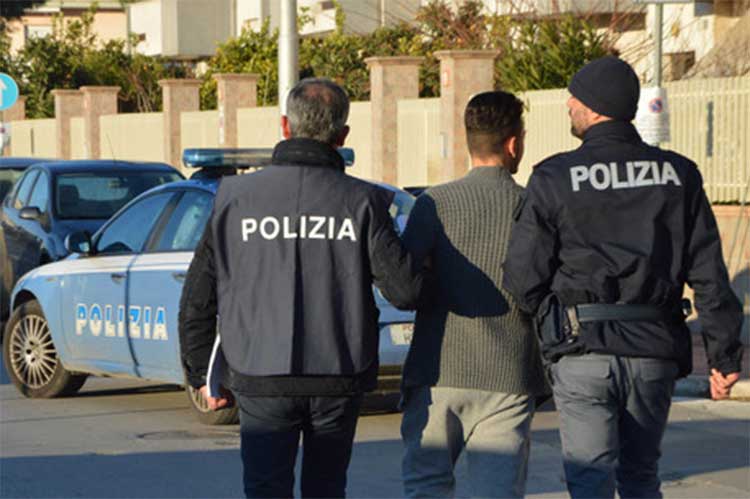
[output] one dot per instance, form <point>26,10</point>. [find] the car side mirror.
<point>30,213</point>
<point>78,242</point>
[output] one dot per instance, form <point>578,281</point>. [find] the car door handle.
<point>179,276</point>
<point>117,276</point>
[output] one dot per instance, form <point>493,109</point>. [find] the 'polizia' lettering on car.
<point>109,321</point>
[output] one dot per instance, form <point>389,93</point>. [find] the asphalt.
<point>124,439</point>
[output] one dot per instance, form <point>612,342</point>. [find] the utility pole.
<point>288,51</point>
<point>658,36</point>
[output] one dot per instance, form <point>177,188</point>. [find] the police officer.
<point>287,262</point>
<point>605,238</point>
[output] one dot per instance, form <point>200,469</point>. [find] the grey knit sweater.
<point>472,335</point>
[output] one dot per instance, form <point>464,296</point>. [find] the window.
<point>186,224</point>
<point>40,194</point>
<point>8,178</point>
<point>40,31</point>
<point>128,232</point>
<point>99,195</point>
<point>24,188</point>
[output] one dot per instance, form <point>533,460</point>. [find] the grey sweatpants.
<point>494,428</point>
<point>613,413</point>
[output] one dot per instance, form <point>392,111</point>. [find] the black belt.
<point>594,312</point>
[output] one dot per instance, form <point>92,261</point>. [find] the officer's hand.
<point>216,403</point>
<point>721,386</point>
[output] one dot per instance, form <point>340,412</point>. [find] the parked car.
<point>11,170</point>
<point>111,308</point>
<point>53,199</point>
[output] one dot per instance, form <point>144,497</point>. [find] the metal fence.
<point>709,123</point>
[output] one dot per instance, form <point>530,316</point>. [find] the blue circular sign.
<point>8,92</point>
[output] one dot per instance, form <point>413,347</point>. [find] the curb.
<point>741,390</point>
<point>699,387</point>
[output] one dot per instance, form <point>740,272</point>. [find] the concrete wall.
<point>419,160</point>
<point>137,137</point>
<point>258,127</point>
<point>710,123</point>
<point>200,129</point>
<point>35,138</point>
<point>360,139</point>
<point>734,227</point>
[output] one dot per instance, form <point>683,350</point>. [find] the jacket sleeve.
<point>419,235</point>
<point>198,309</point>
<point>394,270</point>
<point>531,260</point>
<point>719,309</point>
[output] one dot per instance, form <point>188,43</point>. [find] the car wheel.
<point>229,415</point>
<point>31,359</point>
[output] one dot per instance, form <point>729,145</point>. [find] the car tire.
<point>228,415</point>
<point>31,359</point>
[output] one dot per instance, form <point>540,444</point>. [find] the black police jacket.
<point>288,261</point>
<point>619,221</point>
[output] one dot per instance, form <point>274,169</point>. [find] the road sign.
<point>652,119</point>
<point>8,92</point>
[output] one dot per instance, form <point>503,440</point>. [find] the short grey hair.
<point>317,108</point>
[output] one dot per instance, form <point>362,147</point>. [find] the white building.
<point>191,29</point>
<point>690,28</point>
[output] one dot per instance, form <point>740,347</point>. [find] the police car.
<point>111,307</point>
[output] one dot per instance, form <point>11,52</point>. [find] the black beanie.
<point>608,86</point>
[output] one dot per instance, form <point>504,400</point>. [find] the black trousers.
<point>270,429</point>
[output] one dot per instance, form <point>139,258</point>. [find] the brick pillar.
<point>16,113</point>
<point>97,102</point>
<point>178,95</point>
<point>68,104</point>
<point>233,91</point>
<point>391,79</point>
<point>463,73</point>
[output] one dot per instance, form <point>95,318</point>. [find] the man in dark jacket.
<point>606,237</point>
<point>287,262</point>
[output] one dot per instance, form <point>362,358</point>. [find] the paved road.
<point>125,439</point>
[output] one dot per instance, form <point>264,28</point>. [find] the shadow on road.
<point>691,448</point>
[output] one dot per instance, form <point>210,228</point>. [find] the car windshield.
<point>8,177</point>
<point>100,195</point>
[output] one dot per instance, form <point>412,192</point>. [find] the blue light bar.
<point>241,158</point>
<point>348,154</point>
<point>234,158</point>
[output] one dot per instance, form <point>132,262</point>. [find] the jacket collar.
<point>490,173</point>
<point>306,152</point>
<point>617,130</point>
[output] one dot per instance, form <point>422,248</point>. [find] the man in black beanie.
<point>606,237</point>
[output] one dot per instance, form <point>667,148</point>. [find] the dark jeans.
<point>270,430</point>
<point>613,413</point>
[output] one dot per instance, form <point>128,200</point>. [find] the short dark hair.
<point>317,108</point>
<point>490,119</point>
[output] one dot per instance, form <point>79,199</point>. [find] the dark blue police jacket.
<point>619,221</point>
<point>293,252</point>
